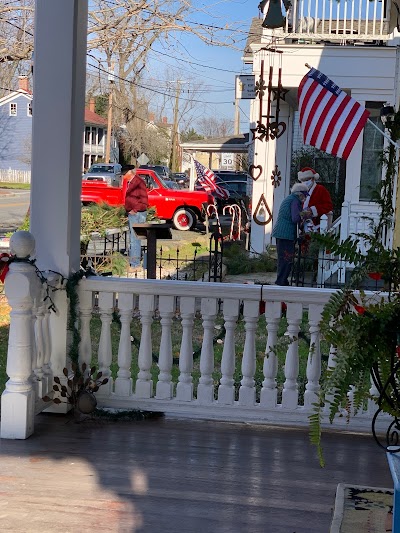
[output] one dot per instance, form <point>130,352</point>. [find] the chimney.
<point>23,83</point>
<point>92,104</point>
<point>164,120</point>
<point>152,117</point>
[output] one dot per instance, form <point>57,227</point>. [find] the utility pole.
<point>110,113</point>
<point>174,140</point>
<point>236,130</point>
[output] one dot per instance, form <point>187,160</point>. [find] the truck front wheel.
<point>184,219</point>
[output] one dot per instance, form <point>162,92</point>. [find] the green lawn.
<point>9,185</point>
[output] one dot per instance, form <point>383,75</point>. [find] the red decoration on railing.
<point>360,309</point>
<point>5,260</point>
<point>375,275</point>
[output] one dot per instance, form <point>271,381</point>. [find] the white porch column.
<point>58,124</point>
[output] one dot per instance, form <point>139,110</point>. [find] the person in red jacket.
<point>136,202</point>
<point>318,202</point>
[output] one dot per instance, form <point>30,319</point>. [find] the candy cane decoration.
<point>212,210</point>
<point>233,212</point>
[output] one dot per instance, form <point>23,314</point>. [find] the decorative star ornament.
<point>276,177</point>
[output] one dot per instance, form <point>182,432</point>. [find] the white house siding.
<point>15,134</point>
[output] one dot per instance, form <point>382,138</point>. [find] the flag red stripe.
<point>321,120</point>
<point>333,122</point>
<point>312,112</point>
<point>354,136</point>
<point>346,124</point>
<point>306,99</point>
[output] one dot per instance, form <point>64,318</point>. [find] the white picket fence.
<point>14,176</point>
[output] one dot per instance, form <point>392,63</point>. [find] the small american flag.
<point>330,120</point>
<point>206,178</point>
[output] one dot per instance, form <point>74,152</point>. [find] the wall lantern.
<point>387,114</point>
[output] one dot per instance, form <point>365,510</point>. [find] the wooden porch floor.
<point>177,476</point>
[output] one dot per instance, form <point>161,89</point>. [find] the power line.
<point>155,90</point>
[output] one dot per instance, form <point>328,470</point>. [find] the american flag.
<point>206,178</point>
<point>330,120</point>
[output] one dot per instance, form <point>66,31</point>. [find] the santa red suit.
<point>318,200</point>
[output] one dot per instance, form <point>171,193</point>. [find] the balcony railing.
<point>339,20</point>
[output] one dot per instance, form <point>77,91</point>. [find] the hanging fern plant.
<point>364,329</point>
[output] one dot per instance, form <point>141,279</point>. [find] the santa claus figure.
<point>317,203</point>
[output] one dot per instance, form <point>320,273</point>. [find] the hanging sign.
<point>245,87</point>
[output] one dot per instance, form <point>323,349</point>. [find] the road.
<point>13,208</point>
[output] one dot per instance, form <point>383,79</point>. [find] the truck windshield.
<point>101,168</point>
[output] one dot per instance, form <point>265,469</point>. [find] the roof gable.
<point>93,118</point>
<point>14,95</point>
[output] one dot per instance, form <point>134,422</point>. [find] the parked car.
<point>126,168</point>
<point>180,177</point>
<point>161,170</point>
<point>111,173</point>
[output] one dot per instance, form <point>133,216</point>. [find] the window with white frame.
<point>371,163</point>
<point>13,109</point>
<point>29,109</point>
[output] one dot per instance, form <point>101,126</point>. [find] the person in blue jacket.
<point>285,231</point>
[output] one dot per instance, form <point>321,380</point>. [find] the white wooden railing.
<point>339,19</point>
<point>246,382</point>
<point>225,390</point>
<point>356,219</point>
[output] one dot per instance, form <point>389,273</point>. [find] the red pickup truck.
<point>184,208</point>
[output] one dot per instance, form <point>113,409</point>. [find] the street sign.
<point>143,159</point>
<point>227,161</point>
<point>245,87</point>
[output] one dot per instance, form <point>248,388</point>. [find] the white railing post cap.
<point>22,244</point>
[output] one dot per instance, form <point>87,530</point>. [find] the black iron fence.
<point>109,253</point>
<point>316,267</point>
<point>195,268</point>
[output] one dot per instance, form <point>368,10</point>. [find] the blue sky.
<point>188,59</point>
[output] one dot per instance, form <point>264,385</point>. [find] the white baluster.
<point>205,388</point>
<point>290,393</point>
<point>36,371</point>
<point>311,394</point>
<point>106,300</point>
<point>48,374</point>
<point>331,365</point>
<point>184,388</point>
<point>371,409</point>
<point>18,399</point>
<point>247,391</point>
<point>53,280</point>
<point>38,328</point>
<point>123,383</point>
<point>226,389</point>
<point>268,396</point>
<point>144,383</point>
<point>164,388</point>
<point>85,316</point>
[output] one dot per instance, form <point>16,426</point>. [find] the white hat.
<point>300,187</point>
<point>307,173</point>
